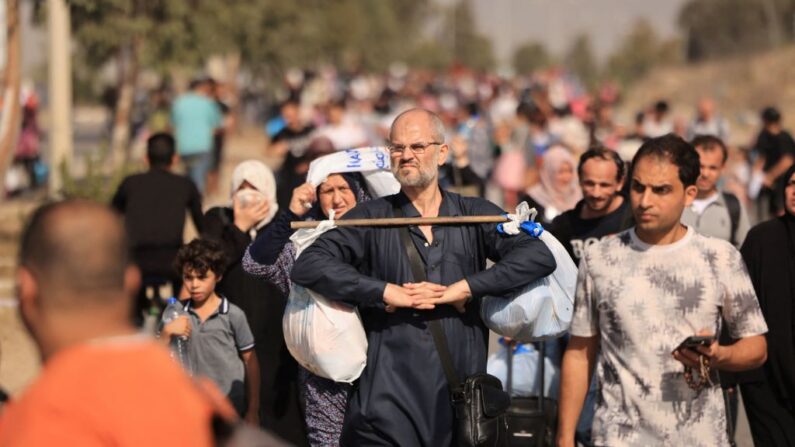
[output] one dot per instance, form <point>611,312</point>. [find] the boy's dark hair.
<point>710,143</point>
<point>661,107</point>
<point>676,150</point>
<point>603,153</point>
<point>201,255</point>
<point>160,149</point>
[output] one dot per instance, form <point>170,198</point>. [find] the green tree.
<point>580,60</point>
<point>718,28</point>
<point>640,51</point>
<point>530,57</point>
<point>469,47</point>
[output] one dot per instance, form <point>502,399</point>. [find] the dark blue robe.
<point>402,396</point>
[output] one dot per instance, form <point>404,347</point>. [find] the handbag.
<point>479,403</point>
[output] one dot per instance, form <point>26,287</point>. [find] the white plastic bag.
<point>324,336</point>
<point>544,308</point>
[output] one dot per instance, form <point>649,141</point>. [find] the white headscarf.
<point>260,177</point>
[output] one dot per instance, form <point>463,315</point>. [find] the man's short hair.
<point>201,255</point>
<point>661,107</point>
<point>677,151</point>
<point>606,154</point>
<point>436,123</point>
<point>76,247</point>
<point>710,143</point>
<point>290,102</point>
<point>160,149</point>
<point>771,115</point>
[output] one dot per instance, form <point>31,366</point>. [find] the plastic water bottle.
<point>179,344</point>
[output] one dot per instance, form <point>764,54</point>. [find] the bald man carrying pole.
<point>402,397</point>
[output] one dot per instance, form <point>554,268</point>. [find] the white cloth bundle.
<point>324,336</point>
<point>373,162</point>
<point>544,308</point>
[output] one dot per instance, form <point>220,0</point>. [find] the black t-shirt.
<point>297,140</point>
<point>286,178</point>
<point>774,146</point>
<point>576,233</point>
<point>153,205</point>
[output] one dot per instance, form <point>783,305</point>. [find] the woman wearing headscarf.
<point>558,189</point>
<point>769,392</point>
<point>249,215</point>
<point>272,256</point>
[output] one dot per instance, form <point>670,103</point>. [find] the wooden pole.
<point>60,92</point>
<point>400,221</point>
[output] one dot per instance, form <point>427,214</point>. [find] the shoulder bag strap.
<point>418,271</point>
<point>733,205</point>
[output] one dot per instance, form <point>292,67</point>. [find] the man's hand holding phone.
<point>703,344</point>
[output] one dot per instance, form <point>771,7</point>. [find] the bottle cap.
<point>171,300</point>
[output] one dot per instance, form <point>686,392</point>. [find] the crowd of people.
<point>659,215</point>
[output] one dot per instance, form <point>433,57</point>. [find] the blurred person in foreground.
<point>102,382</point>
<point>642,293</point>
<point>769,392</point>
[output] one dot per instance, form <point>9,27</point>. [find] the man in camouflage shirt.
<point>639,295</point>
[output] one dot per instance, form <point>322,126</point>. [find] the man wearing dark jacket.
<point>402,397</point>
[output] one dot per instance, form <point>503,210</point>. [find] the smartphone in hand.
<point>696,340</point>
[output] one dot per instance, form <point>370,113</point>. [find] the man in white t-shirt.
<point>714,212</point>
<point>639,296</point>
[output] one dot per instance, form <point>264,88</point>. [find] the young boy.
<point>221,345</point>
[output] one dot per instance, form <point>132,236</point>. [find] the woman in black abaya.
<point>769,396</point>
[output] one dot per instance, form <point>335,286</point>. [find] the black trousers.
<point>771,418</point>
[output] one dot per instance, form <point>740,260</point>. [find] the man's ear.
<point>690,194</point>
<point>444,149</point>
<point>27,292</point>
<point>132,280</point>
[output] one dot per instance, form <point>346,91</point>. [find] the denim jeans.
<point>197,167</point>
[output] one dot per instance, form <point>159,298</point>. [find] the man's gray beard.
<point>422,180</point>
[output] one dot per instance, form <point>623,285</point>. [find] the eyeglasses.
<point>417,148</point>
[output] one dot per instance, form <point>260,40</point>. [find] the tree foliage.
<point>469,47</point>
<point>580,60</point>
<point>718,28</point>
<point>530,57</point>
<point>640,51</point>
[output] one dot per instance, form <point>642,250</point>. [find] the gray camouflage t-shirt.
<point>643,301</point>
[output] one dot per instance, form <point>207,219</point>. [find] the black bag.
<point>532,421</point>
<point>479,403</point>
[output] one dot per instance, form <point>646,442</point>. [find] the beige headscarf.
<point>545,191</point>
<point>260,177</point>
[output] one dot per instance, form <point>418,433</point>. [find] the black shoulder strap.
<point>733,205</point>
<point>418,272</point>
